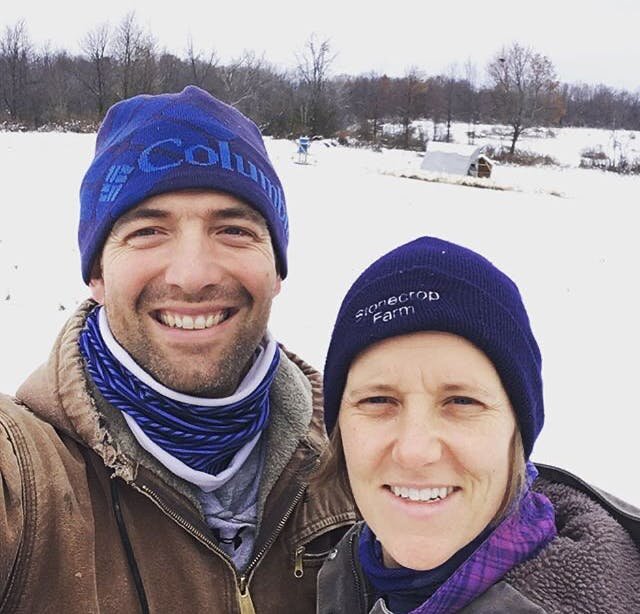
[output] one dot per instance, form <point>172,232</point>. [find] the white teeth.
<point>422,494</point>
<point>218,318</point>
<point>174,320</point>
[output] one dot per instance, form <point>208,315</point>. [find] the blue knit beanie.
<point>148,145</point>
<point>433,285</point>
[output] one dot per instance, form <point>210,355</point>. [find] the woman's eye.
<point>463,401</point>
<point>380,400</point>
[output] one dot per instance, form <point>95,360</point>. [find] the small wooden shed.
<point>456,159</point>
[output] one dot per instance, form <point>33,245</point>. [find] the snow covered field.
<point>568,237</point>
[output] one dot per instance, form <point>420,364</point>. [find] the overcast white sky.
<point>590,41</point>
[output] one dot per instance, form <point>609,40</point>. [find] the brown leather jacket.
<point>89,522</point>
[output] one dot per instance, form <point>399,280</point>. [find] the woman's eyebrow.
<point>371,389</point>
<point>460,387</point>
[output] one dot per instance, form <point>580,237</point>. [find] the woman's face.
<point>427,430</point>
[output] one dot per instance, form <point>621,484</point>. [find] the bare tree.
<point>173,73</point>
<point>313,68</point>
<point>201,64</point>
<point>369,100</point>
<point>49,95</point>
<point>525,89</point>
<point>95,46</point>
<point>15,57</point>
<point>470,99</point>
<point>243,78</point>
<point>410,92</point>
<point>449,81</point>
<point>135,51</point>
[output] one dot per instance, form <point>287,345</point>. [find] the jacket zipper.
<point>275,534</point>
<point>298,569</point>
<point>356,575</point>
<point>242,582</point>
<point>244,598</point>
<point>182,522</point>
<point>298,565</point>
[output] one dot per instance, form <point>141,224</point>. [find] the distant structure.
<point>303,149</point>
<point>456,159</point>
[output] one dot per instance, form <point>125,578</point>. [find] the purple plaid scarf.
<point>519,537</point>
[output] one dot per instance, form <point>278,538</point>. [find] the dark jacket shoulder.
<point>627,515</point>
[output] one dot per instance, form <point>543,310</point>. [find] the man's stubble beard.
<point>216,379</point>
<point>197,378</point>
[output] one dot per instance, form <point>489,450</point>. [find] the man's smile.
<point>199,321</point>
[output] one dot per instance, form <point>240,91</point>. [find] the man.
<point>159,461</point>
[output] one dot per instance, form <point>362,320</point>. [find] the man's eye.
<point>144,232</point>
<point>236,231</point>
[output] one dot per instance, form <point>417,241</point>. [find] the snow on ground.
<point>573,256</point>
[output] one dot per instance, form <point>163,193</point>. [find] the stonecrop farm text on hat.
<point>433,285</point>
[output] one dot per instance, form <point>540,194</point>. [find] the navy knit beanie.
<point>433,285</point>
<point>148,145</point>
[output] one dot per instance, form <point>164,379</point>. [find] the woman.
<point>434,401</point>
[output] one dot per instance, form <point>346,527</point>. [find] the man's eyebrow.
<point>225,213</point>
<point>142,213</point>
<point>239,212</point>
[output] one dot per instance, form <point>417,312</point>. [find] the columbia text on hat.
<point>151,144</point>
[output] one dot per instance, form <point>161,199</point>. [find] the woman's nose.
<point>418,440</point>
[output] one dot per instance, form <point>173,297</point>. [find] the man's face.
<point>187,279</point>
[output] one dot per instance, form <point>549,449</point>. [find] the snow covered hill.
<point>567,236</point>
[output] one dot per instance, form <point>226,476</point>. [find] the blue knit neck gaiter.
<point>205,438</point>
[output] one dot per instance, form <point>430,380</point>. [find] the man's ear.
<point>96,283</point>
<point>277,286</point>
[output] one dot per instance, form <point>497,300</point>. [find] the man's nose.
<point>194,263</point>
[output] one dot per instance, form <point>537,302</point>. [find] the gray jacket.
<point>592,567</point>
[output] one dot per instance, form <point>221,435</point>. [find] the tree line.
<point>518,88</point>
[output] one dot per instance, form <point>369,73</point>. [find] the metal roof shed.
<point>456,159</point>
